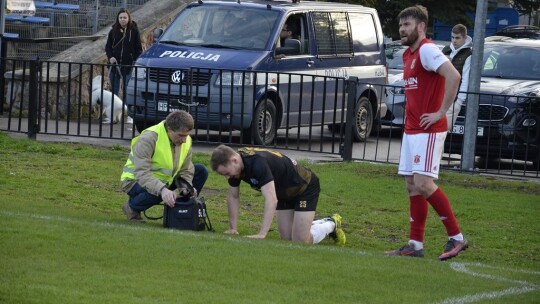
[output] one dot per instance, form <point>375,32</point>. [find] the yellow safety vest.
<point>162,160</point>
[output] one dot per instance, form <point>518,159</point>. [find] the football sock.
<point>321,230</point>
<point>316,222</point>
<point>439,201</point>
<point>457,237</point>
<point>418,215</point>
<point>417,245</point>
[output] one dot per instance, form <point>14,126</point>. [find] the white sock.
<point>321,229</point>
<point>457,237</point>
<point>317,222</point>
<point>416,244</point>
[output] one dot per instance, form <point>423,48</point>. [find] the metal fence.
<point>65,18</point>
<point>298,112</point>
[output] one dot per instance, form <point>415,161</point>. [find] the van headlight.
<point>138,72</point>
<point>235,79</point>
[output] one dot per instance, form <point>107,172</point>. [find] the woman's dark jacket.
<point>125,50</point>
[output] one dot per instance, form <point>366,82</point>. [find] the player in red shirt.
<point>431,85</point>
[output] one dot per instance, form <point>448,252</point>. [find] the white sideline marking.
<point>143,227</point>
<point>523,286</point>
<point>488,295</point>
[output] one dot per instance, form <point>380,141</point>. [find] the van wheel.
<point>363,120</point>
<point>264,124</point>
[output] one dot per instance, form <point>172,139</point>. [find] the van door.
<point>292,54</point>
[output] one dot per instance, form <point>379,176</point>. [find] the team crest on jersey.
<point>413,63</point>
<point>416,159</point>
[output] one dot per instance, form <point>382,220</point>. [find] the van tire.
<point>363,119</point>
<point>263,116</point>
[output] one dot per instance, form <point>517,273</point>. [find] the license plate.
<point>457,129</point>
<point>163,106</point>
<point>460,129</point>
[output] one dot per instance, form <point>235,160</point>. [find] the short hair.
<point>417,12</point>
<point>460,29</point>
<point>179,121</point>
<point>292,27</point>
<point>221,156</point>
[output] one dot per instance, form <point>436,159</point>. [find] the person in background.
<point>289,31</point>
<point>123,47</point>
<point>159,155</point>
<point>431,84</point>
<point>460,53</point>
<point>287,186</point>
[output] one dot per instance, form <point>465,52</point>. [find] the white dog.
<point>107,100</point>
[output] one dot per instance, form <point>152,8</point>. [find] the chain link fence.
<point>65,18</point>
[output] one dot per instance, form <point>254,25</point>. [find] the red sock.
<point>441,204</point>
<point>418,212</point>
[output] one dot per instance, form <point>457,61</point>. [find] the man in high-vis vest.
<point>159,155</point>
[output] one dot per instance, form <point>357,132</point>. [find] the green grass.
<point>64,239</point>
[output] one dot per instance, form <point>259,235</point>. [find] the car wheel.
<point>264,124</point>
<point>363,120</point>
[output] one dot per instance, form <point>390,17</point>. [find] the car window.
<point>219,26</point>
<point>364,32</point>
<point>489,64</point>
<point>332,34</point>
<point>394,56</point>
<point>512,62</point>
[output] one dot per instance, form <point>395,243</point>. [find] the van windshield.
<point>222,27</point>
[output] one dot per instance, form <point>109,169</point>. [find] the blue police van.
<point>259,66</point>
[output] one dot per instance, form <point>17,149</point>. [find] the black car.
<point>509,103</point>
<point>520,31</point>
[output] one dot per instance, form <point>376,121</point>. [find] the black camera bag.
<point>190,214</point>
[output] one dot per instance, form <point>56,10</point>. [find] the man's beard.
<point>411,38</point>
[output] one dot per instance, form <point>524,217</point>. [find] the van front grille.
<point>198,78</point>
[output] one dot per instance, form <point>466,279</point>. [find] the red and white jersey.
<point>424,88</point>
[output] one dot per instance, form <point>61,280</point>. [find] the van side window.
<point>295,27</point>
<point>332,34</point>
<point>364,32</point>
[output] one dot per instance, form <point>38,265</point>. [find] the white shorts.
<point>421,154</point>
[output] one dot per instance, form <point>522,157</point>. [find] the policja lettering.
<point>192,55</point>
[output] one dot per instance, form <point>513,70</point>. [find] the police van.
<point>259,66</point>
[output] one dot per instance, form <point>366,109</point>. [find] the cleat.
<point>407,250</point>
<point>338,234</point>
<point>132,215</point>
<point>453,248</point>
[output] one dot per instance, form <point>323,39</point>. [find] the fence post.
<point>95,27</point>
<point>3,55</point>
<point>33,126</point>
<point>351,84</point>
